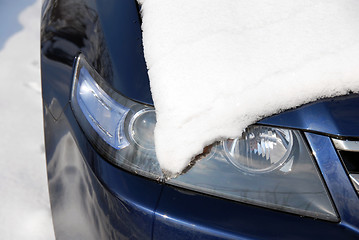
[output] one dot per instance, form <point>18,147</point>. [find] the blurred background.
<point>24,202</point>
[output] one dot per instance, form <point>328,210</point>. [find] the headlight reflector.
<point>105,116</point>
<point>260,149</point>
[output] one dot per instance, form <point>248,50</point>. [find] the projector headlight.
<point>267,166</point>
<point>260,149</point>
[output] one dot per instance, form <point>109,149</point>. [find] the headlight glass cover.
<point>118,128</point>
<point>266,166</point>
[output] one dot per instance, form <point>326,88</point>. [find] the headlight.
<point>119,129</point>
<point>270,167</point>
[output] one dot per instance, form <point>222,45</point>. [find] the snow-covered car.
<point>291,175</point>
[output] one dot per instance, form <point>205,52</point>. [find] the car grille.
<point>349,154</point>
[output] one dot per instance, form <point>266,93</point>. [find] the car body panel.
<point>93,199</point>
<point>335,176</point>
<point>115,50</point>
<point>183,213</point>
<point>335,116</point>
<point>107,203</point>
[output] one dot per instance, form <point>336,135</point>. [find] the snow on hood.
<point>217,66</point>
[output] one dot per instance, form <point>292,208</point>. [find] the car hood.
<point>334,116</point>
<point>338,116</point>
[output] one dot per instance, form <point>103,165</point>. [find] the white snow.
<point>24,202</point>
<point>217,66</point>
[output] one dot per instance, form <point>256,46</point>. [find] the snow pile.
<point>218,66</point>
<point>24,203</point>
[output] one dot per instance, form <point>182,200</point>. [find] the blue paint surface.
<point>93,199</point>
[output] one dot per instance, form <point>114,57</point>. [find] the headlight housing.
<point>270,167</point>
<point>119,129</point>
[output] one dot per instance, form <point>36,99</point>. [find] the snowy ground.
<point>24,202</point>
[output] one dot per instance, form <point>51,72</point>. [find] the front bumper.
<point>92,199</point>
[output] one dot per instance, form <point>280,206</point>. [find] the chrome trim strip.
<point>350,146</point>
<point>355,180</point>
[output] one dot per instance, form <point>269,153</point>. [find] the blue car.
<point>294,175</point>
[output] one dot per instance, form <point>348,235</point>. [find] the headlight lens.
<point>101,111</point>
<point>289,182</point>
<point>119,129</point>
<point>141,128</point>
<point>270,167</point>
